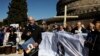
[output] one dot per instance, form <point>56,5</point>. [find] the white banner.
<point>46,46</point>
<point>61,43</point>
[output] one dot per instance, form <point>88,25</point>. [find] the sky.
<point>36,8</point>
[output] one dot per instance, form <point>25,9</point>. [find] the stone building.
<point>86,10</point>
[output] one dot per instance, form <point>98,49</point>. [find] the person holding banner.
<point>32,31</point>
<point>79,28</point>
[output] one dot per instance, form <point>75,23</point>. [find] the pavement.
<point>11,54</point>
<point>15,54</point>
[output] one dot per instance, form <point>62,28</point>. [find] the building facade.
<point>87,10</point>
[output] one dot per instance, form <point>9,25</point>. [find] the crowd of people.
<point>34,30</point>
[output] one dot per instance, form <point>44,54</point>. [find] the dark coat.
<point>36,35</point>
<point>1,38</point>
<point>96,48</point>
<point>93,43</point>
<point>12,38</point>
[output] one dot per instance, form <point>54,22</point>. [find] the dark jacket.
<point>12,38</point>
<point>97,40</point>
<point>1,38</point>
<point>36,33</point>
<point>93,43</point>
